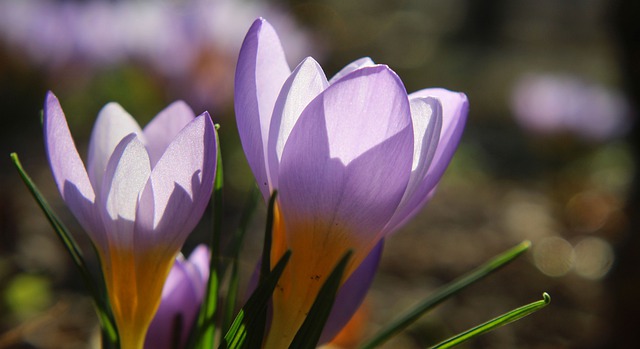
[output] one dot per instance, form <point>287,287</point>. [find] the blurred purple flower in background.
<point>559,104</point>
<point>184,42</point>
<point>182,295</point>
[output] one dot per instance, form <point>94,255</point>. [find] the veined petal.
<point>178,189</point>
<point>355,65</point>
<point>455,108</point>
<point>126,174</point>
<point>343,172</point>
<point>164,127</point>
<point>111,126</point>
<point>261,71</point>
<point>426,115</point>
<point>352,293</point>
<point>305,83</point>
<point>350,154</point>
<point>181,297</point>
<point>68,169</point>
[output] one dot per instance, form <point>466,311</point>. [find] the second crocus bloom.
<point>352,158</point>
<point>139,197</point>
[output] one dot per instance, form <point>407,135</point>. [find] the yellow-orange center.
<point>134,282</point>
<point>316,249</point>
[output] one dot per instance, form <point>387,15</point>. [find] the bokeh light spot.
<point>553,256</point>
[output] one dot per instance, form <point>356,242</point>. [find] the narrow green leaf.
<point>96,289</point>
<point>444,293</point>
<point>232,291</point>
<point>265,267</point>
<point>256,336</point>
<point>247,322</point>
<point>490,325</point>
<point>206,326</point>
<point>309,333</point>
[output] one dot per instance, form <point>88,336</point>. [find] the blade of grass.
<point>206,326</point>
<point>260,318</point>
<point>96,290</point>
<point>444,293</point>
<point>232,291</point>
<point>247,323</point>
<point>491,325</point>
<point>309,333</point>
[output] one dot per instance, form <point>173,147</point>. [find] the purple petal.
<point>111,126</point>
<point>455,108</point>
<point>126,174</point>
<point>347,161</point>
<point>349,68</point>
<point>352,293</point>
<point>177,311</point>
<point>426,114</point>
<point>164,127</point>
<point>68,170</point>
<point>305,83</point>
<point>198,269</point>
<point>261,71</point>
<point>179,188</point>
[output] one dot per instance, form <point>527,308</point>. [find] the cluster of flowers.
<point>352,158</point>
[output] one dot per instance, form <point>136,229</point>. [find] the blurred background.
<point>549,153</point>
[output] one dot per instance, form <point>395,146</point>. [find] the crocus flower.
<point>182,296</point>
<point>352,158</point>
<point>142,193</point>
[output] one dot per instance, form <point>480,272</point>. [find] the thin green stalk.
<point>107,322</point>
<point>444,293</point>
<point>491,325</point>
<point>206,327</point>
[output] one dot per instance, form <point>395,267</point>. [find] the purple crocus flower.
<point>182,296</point>
<point>352,158</point>
<point>141,194</point>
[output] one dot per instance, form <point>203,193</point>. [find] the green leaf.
<point>444,293</point>
<point>206,327</point>
<point>490,325</point>
<point>96,289</point>
<point>309,333</point>
<point>238,238</point>
<point>257,336</point>
<point>247,323</point>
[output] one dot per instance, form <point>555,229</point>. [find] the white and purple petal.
<point>111,126</point>
<point>348,174</point>
<point>159,133</point>
<point>68,169</point>
<point>305,83</point>
<point>179,187</point>
<point>261,71</point>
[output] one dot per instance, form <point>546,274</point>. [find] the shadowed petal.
<point>68,170</point>
<point>261,71</point>
<point>352,293</point>
<point>126,174</point>
<point>455,108</point>
<point>111,126</point>
<point>304,84</point>
<point>348,159</point>
<point>355,65</point>
<point>426,115</point>
<point>179,188</point>
<point>164,128</point>
<point>341,178</point>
